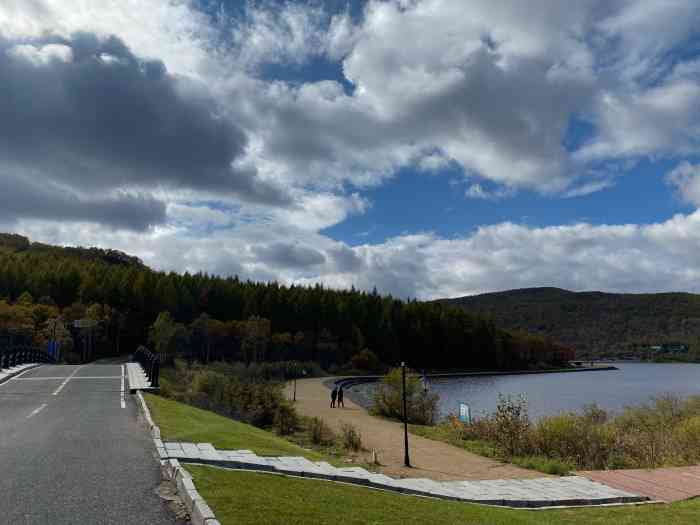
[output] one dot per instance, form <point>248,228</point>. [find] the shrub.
<point>231,389</point>
<point>422,406</point>
<point>544,464</point>
<point>319,432</point>
<point>350,438</point>
<point>365,360</point>
<point>687,439</point>
<point>286,421</point>
<point>512,425</point>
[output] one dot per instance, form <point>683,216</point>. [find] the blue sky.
<point>428,148</point>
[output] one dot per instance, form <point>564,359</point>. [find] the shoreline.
<point>348,381</point>
<point>356,387</point>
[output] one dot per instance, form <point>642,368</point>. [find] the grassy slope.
<point>181,422</point>
<point>249,498</point>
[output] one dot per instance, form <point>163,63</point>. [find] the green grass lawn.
<point>250,498</point>
<point>181,422</point>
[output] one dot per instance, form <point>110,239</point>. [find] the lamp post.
<point>303,373</point>
<point>295,385</point>
<point>406,460</point>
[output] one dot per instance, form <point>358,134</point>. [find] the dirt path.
<point>430,459</point>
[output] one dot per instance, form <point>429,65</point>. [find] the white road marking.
<point>62,377</point>
<point>121,395</point>
<point>36,411</point>
<point>58,390</point>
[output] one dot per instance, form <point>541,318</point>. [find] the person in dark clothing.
<point>340,397</point>
<point>334,394</point>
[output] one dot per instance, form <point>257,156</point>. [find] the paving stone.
<point>191,450</point>
<point>572,490</point>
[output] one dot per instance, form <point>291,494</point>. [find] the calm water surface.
<point>632,384</point>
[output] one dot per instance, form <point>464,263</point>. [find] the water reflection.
<point>632,384</point>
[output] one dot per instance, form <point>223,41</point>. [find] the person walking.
<point>340,397</point>
<point>334,394</point>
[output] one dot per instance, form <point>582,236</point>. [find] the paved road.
<point>72,452</point>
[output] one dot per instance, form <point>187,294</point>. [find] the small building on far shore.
<point>669,348</point>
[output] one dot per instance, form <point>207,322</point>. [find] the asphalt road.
<point>72,453</point>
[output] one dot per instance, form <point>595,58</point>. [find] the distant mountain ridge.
<point>594,323</point>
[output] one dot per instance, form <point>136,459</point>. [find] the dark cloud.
<point>104,120</point>
<point>21,197</point>
<point>345,259</point>
<point>288,255</point>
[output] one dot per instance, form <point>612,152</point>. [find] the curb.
<point>171,470</point>
<point>7,378</point>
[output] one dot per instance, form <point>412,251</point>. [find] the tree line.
<point>207,317</point>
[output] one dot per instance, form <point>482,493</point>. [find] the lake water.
<point>632,384</point>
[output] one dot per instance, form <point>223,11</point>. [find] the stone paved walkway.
<point>663,484</point>
<point>542,492</point>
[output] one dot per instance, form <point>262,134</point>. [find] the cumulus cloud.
<point>155,128</point>
<point>477,191</point>
<point>686,178</point>
<point>650,258</point>
<point>23,197</point>
<point>88,115</point>
<point>663,120</point>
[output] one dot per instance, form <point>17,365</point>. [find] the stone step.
<point>137,377</point>
<point>541,492</point>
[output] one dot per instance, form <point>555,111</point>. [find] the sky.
<point>428,148</point>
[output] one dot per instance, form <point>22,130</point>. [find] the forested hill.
<point>594,323</point>
<point>225,318</point>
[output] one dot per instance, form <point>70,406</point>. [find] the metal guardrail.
<point>150,363</point>
<point>21,355</point>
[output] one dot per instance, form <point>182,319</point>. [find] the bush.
<point>512,425</point>
<point>232,390</point>
<point>663,433</point>
<point>365,360</point>
<point>687,439</point>
<point>286,420</point>
<point>350,438</point>
<point>422,406</point>
<point>319,432</point>
<point>547,465</point>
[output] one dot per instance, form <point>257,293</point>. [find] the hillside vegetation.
<point>595,324</point>
<point>207,318</point>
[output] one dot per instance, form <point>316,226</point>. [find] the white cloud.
<point>488,87</point>
<point>686,178</point>
<point>477,191</point>
<point>663,120</point>
<point>622,258</point>
<point>42,55</point>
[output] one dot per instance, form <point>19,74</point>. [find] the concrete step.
<point>542,492</point>
<point>137,378</point>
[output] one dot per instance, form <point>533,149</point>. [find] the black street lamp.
<point>296,373</point>
<point>406,460</point>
